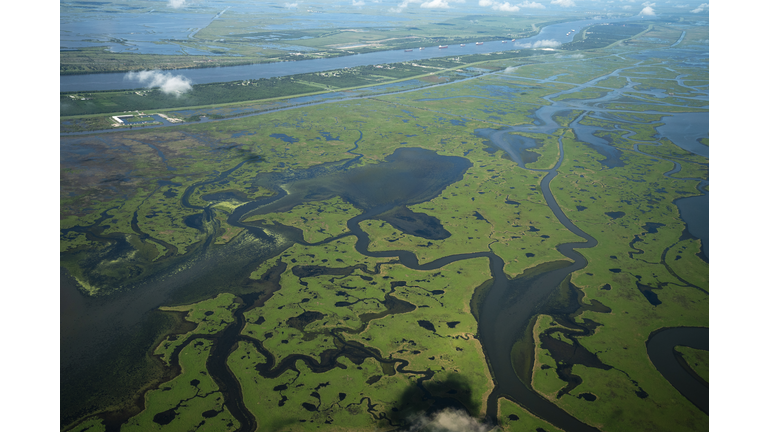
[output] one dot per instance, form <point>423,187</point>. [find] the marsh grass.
<point>696,359</point>
<point>330,296</point>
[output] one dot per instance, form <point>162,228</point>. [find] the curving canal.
<point>661,350</point>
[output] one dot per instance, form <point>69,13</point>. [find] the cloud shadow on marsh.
<point>429,396</point>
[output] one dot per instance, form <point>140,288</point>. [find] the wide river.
<point>118,81</point>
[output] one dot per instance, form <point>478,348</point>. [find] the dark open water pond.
<point>408,176</point>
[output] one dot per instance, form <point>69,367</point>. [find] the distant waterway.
<point>117,81</point>
<point>130,32</point>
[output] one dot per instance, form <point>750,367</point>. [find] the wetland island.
<point>359,216</point>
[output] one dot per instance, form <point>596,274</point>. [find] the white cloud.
<point>532,5</point>
<point>176,3</point>
<point>439,4</point>
<point>291,5</point>
<point>358,3</point>
<point>563,3</point>
<point>436,4</point>
<point>402,6</point>
<point>448,420</point>
<point>167,82</point>
<point>702,7</point>
<point>571,56</point>
<point>546,43</point>
<point>627,7</point>
<point>647,11</point>
<point>649,4</point>
<point>505,7</point>
<point>498,6</point>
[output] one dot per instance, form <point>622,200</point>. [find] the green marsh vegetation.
<point>680,101</point>
<point>670,87</point>
<point>631,273</point>
<point>513,417</point>
<point>612,82</point>
<point>496,207</point>
<point>210,317</point>
<point>603,35</point>
<point>335,339</point>
<point>589,68</point>
<point>695,37</point>
<point>99,60</point>
<point>442,346</point>
<point>203,94</point>
<point>645,104</point>
<point>697,360</point>
<point>190,400</point>
<point>82,124</point>
<point>493,100</point>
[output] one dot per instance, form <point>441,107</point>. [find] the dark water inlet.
<point>660,346</point>
<point>516,146</point>
<point>685,130</point>
<point>502,321</point>
<point>695,212</point>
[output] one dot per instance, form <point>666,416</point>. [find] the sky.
<point>648,8</point>
<point>644,7</point>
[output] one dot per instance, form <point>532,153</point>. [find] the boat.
<point>513,40</point>
<point>443,46</point>
<point>503,41</point>
<point>573,30</point>
<point>408,50</point>
<point>478,43</point>
<point>421,48</point>
<point>462,45</point>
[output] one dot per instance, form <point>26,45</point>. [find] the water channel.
<point>118,81</point>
